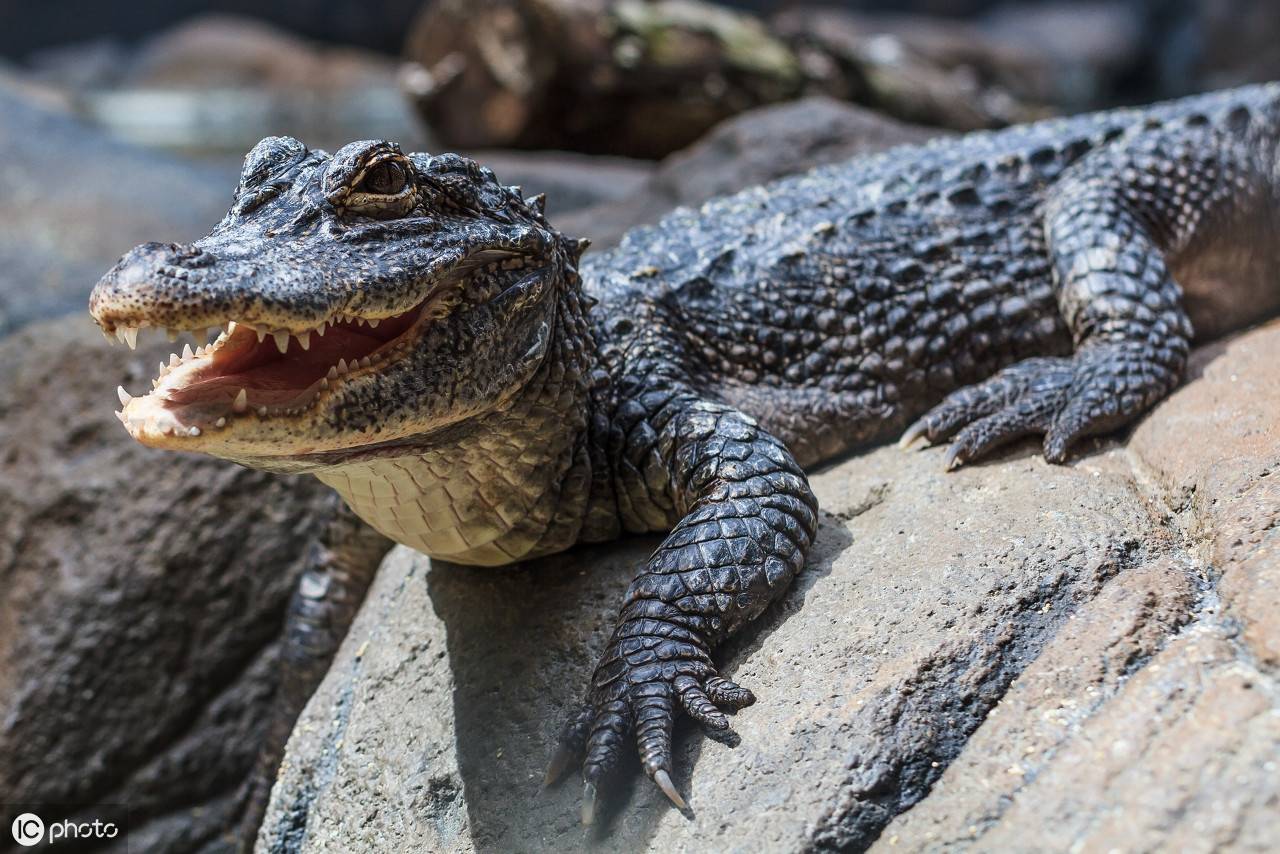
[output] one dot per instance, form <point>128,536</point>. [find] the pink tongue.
<point>272,378</point>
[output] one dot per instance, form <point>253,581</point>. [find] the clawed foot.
<point>636,690</point>
<point>1062,399</point>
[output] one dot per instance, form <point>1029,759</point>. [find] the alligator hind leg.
<point>340,567</point>
<point>1115,223</point>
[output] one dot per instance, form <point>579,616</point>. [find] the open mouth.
<point>250,373</point>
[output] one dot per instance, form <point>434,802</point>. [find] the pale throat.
<point>490,498</point>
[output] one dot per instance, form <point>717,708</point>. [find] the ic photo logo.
<point>30,830</point>
<point>27,829</point>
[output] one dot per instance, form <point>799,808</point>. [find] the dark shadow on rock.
<point>522,643</point>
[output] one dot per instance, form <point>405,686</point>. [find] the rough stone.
<point>570,181</point>
<point>1151,722</point>
<point>74,200</point>
<point>753,148</point>
<point>144,593</point>
<point>1015,656</point>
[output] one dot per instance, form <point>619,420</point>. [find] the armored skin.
<point>419,337</point>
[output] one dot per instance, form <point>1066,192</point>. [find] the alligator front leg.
<point>339,569</point>
<point>1116,223</point>
<point>746,520</point>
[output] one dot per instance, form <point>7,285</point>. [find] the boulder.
<point>75,200</point>
<point>1150,722</point>
<point>645,79</point>
<point>1012,656</point>
<point>570,181</point>
<point>750,149</point>
<point>144,595</point>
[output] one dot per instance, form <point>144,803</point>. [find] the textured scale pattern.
<point>1044,280</point>
<point>1004,284</point>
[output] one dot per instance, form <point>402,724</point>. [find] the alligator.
<point>474,386</point>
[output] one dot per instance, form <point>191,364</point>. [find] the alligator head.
<point>359,299</point>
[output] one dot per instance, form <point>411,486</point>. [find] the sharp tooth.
<point>262,411</point>
<point>186,352</point>
<point>106,335</point>
<point>160,372</point>
<point>373,324</point>
<point>131,337</point>
<point>304,338</point>
<point>120,415</point>
<point>231,327</point>
<point>174,360</point>
<point>124,396</point>
<point>324,382</point>
<point>333,373</point>
<point>221,422</point>
<point>342,366</point>
<point>193,432</point>
<point>366,362</point>
<point>321,328</point>
<point>241,402</point>
<point>200,350</point>
<point>282,341</point>
<point>262,336</point>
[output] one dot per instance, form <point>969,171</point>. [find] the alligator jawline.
<point>250,373</point>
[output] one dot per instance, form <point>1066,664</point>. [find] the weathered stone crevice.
<point>287,832</point>
<point>879,789</point>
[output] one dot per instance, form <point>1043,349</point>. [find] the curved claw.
<point>663,779</point>
<point>912,434</point>
<point>588,804</point>
<point>560,763</point>
<point>954,458</point>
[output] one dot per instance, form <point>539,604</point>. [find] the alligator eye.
<point>384,179</point>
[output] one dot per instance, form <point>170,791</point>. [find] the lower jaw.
<point>237,378</point>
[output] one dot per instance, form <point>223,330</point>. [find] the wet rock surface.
<point>1013,656</point>
<point>144,594</point>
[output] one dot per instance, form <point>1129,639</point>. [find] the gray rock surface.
<point>1015,656</point>
<point>994,659</point>
<point>749,149</point>
<point>1152,721</point>
<point>75,200</point>
<point>143,594</point>
<point>570,181</point>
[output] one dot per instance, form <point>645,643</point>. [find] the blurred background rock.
<point>577,98</point>
<point>121,123</point>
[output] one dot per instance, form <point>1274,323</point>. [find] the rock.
<point>630,78</point>
<point>75,200</point>
<point>919,68</point>
<point>1008,657</point>
<point>1085,52</point>
<point>1150,721</point>
<point>750,149</point>
<point>143,595</point>
<point>212,51</point>
<point>216,84</point>
<point>644,79</point>
<point>570,181</point>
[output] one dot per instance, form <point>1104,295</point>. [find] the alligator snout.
<point>150,277</point>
